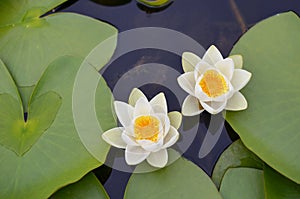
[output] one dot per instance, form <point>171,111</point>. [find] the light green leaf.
<point>246,183</point>
<point>16,11</point>
<point>236,155</point>
<point>29,46</point>
<point>279,187</point>
<point>182,179</point>
<point>269,127</point>
<point>58,157</point>
<point>87,188</point>
<point>155,3</point>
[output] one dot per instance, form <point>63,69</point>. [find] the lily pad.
<point>182,179</point>
<point>88,188</point>
<point>57,157</point>
<point>29,42</point>
<point>269,127</point>
<point>236,155</point>
<point>245,182</point>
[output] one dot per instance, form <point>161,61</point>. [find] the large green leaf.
<point>279,187</point>
<point>182,179</point>
<point>246,183</point>
<point>269,127</point>
<point>28,46</point>
<point>58,157</point>
<point>87,188</point>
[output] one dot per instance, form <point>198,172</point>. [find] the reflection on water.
<point>206,21</point>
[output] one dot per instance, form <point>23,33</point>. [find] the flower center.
<point>146,128</point>
<point>213,84</point>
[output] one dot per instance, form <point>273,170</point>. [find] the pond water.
<point>208,22</point>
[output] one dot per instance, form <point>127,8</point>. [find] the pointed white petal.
<point>213,107</point>
<point>175,118</point>
<point>114,138</point>
<point>238,61</point>
<point>158,159</point>
<point>226,66</point>
<point>240,78</point>
<point>237,102</point>
<point>212,55</point>
<point>171,138</point>
<point>200,68</point>
<point>135,155</point>
<point>191,106</point>
<point>129,140</point>
<point>135,95</point>
<point>124,113</point>
<point>159,103</point>
<point>187,82</point>
<point>151,146</point>
<point>189,61</point>
<point>142,107</point>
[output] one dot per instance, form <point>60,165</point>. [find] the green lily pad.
<point>246,183</point>
<point>58,156</point>
<point>269,127</point>
<point>279,187</point>
<point>29,42</point>
<point>155,3</point>
<point>88,188</point>
<point>182,179</point>
<point>236,155</point>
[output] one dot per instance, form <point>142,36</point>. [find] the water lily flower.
<point>213,83</point>
<point>147,129</point>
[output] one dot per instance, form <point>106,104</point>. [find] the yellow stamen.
<point>146,128</point>
<point>213,84</point>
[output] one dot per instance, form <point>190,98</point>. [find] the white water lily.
<point>213,83</point>
<point>147,129</point>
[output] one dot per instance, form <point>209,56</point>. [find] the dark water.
<point>208,22</point>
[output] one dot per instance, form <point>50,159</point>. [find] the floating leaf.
<point>58,157</point>
<point>269,127</point>
<point>88,188</point>
<point>182,179</point>
<point>29,42</point>
<point>246,183</point>
<point>236,155</point>
<point>155,3</point>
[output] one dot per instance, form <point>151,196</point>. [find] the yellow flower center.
<point>213,84</point>
<point>146,128</point>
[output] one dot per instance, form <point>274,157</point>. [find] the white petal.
<point>237,102</point>
<point>187,82</point>
<point>142,107</point>
<point>191,106</point>
<point>159,103</point>
<point>226,66</point>
<point>113,137</point>
<point>212,55</point>
<point>175,118</point>
<point>158,159</point>
<point>213,107</point>
<point>200,68</point>
<point>189,61</point>
<point>240,78</point>
<point>135,95</point>
<point>237,60</point>
<point>171,138</point>
<point>165,122</point>
<point>129,140</point>
<point>135,155</point>
<point>124,113</point>
<point>151,146</point>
